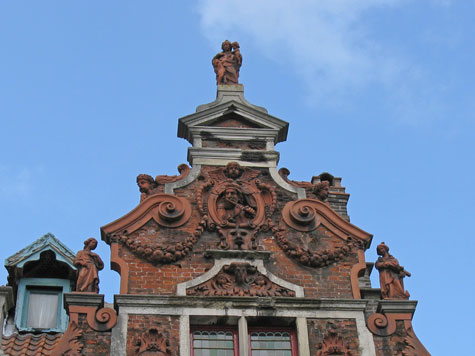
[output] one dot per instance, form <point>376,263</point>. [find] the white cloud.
<point>325,40</point>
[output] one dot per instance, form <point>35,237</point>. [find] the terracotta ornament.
<point>69,344</point>
<point>385,325</point>
<point>322,190</point>
<point>227,63</point>
<point>148,185</point>
<point>153,342</point>
<point>333,343</point>
<point>237,205</point>
<point>240,279</point>
<point>89,264</point>
<point>391,274</point>
<point>98,319</point>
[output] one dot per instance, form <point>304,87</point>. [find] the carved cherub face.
<point>233,170</point>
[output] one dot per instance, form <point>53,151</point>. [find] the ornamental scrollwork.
<point>168,211</point>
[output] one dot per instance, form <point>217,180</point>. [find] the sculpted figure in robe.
<point>227,63</point>
<point>391,274</point>
<point>88,264</point>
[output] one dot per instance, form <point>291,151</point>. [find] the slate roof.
<point>30,344</point>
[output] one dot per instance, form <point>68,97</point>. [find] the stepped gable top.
<point>33,251</point>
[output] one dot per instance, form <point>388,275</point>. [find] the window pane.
<point>270,343</point>
<point>42,310</point>
<point>213,343</point>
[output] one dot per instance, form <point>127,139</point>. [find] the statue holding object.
<point>391,274</point>
<point>88,264</point>
<point>227,63</point>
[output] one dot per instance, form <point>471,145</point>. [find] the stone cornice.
<point>276,303</point>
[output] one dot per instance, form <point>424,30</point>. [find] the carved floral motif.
<point>69,344</point>
<point>240,279</point>
<point>237,205</point>
<point>152,343</point>
<point>161,253</point>
<point>333,344</point>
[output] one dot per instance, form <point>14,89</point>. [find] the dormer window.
<point>41,273</point>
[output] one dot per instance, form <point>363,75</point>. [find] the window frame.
<point>293,336</point>
<point>53,285</point>
<point>233,329</point>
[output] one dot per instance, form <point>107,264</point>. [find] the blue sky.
<point>378,92</point>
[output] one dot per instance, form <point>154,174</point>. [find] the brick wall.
<point>95,343</point>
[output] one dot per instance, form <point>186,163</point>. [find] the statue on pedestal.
<point>391,274</point>
<point>88,264</point>
<point>227,63</point>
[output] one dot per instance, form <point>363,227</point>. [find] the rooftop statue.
<point>227,63</point>
<point>88,264</point>
<point>391,274</point>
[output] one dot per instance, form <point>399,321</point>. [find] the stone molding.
<point>220,263</point>
<point>177,305</point>
<point>283,184</point>
<point>195,171</point>
<point>242,254</point>
<point>227,93</point>
<point>397,306</point>
<point>222,156</point>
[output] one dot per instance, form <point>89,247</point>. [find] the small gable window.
<point>43,305</point>
<point>40,304</point>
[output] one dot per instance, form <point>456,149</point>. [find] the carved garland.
<point>168,211</point>
<point>316,258</point>
<point>162,253</point>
